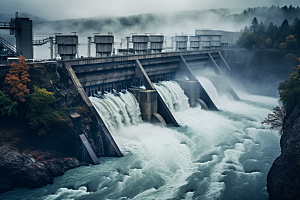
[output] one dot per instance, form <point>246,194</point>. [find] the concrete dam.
<point>97,76</point>
<point>128,70</point>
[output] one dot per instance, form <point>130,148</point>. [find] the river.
<point>222,154</point>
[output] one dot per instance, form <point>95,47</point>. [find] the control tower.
<point>21,28</point>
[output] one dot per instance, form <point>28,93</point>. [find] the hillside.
<point>175,22</point>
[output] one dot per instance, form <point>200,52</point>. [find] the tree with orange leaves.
<point>16,80</point>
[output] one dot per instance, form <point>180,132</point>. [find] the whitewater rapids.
<point>212,155</point>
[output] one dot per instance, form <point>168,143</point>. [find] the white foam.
<point>118,111</point>
<point>230,150</point>
<point>173,95</point>
<point>65,193</point>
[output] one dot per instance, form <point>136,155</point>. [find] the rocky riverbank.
<point>23,170</point>
<point>284,175</point>
<point>31,160</point>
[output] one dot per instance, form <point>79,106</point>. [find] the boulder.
<point>21,170</point>
<point>58,166</point>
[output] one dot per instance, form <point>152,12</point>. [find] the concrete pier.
<point>162,108</point>
<point>147,100</point>
<point>191,90</point>
<point>148,104</point>
<point>184,69</point>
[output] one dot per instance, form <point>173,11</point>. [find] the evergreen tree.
<point>261,28</point>
<point>284,25</point>
<point>254,25</point>
<point>284,30</point>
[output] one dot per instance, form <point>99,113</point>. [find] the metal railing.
<point>9,49</point>
<point>40,42</point>
<point>5,25</point>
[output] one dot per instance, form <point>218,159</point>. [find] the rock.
<point>71,162</point>
<point>283,181</point>
<point>17,170</point>
<point>58,166</point>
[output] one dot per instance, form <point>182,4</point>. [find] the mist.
<point>176,23</point>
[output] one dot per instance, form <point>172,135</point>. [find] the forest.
<point>183,21</point>
<point>270,36</point>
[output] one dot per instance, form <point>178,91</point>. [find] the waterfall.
<point>117,110</point>
<point>211,91</point>
<point>173,95</point>
<point>215,155</point>
<point>209,87</point>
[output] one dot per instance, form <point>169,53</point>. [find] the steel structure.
<point>21,28</point>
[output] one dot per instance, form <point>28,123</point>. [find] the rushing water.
<point>212,155</point>
<point>118,111</point>
<point>173,95</point>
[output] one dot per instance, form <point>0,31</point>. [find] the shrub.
<point>289,91</point>
<point>7,106</point>
<point>40,113</point>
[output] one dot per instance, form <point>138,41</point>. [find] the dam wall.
<point>112,74</point>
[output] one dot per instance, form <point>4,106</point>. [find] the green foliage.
<point>7,106</point>
<point>284,37</point>
<point>63,114</point>
<point>247,40</point>
<point>254,25</point>
<point>40,113</point>
<point>289,91</point>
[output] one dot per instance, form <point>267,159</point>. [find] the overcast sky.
<point>68,9</point>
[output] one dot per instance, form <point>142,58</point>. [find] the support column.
<point>111,146</point>
<point>191,90</point>
<point>147,100</point>
<point>77,123</point>
<point>214,65</point>
<point>162,108</point>
<point>203,94</point>
<point>225,82</point>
